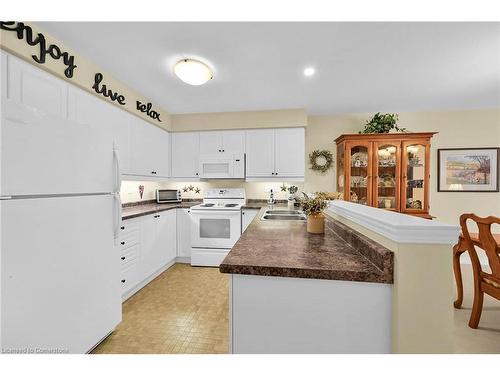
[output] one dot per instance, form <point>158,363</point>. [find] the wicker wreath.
<point>324,154</point>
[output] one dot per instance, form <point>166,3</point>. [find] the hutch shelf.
<point>389,170</point>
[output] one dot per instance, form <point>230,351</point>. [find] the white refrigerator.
<point>59,212</point>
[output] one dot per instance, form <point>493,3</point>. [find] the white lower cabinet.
<point>146,245</point>
<point>247,215</point>
<point>183,235</point>
<point>158,233</point>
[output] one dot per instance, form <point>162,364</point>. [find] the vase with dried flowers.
<point>313,207</point>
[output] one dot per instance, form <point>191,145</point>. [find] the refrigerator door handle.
<point>118,214</point>
<point>118,178</point>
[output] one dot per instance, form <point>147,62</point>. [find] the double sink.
<point>283,215</point>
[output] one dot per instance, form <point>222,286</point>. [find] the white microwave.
<point>224,166</point>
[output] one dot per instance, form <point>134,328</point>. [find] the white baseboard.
<point>183,260</point>
<point>146,281</point>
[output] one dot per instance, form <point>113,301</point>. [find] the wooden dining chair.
<point>484,282</point>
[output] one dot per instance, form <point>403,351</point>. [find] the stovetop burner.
<point>207,205</point>
<point>231,204</point>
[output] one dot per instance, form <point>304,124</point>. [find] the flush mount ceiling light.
<point>193,72</point>
<point>308,72</point>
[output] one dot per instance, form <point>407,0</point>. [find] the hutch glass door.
<point>359,156</point>
<point>415,170</point>
<point>387,175</point>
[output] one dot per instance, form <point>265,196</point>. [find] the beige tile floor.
<point>185,310</point>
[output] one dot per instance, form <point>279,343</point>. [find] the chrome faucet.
<point>270,201</point>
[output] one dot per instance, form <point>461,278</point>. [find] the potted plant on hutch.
<point>313,207</point>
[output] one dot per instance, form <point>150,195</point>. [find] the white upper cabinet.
<point>185,154</point>
<point>210,143</point>
<point>229,142</point>
<point>233,141</point>
<point>275,153</point>
<point>149,149</point>
<point>35,88</point>
<point>260,153</point>
<point>162,151</point>
<point>289,152</point>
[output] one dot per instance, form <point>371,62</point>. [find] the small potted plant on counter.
<point>313,207</point>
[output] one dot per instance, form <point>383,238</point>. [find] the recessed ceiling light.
<point>193,72</point>
<point>308,72</point>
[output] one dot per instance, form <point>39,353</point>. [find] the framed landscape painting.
<point>468,169</point>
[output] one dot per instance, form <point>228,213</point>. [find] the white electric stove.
<point>215,225</point>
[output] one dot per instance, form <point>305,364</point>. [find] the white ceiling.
<point>360,67</point>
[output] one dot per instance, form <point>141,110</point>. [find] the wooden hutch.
<point>389,170</point>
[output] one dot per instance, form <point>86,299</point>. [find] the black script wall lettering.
<point>146,108</point>
<point>107,93</point>
<point>54,51</point>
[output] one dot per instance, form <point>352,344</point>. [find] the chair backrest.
<point>486,241</point>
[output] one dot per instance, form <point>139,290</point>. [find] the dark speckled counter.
<point>130,211</point>
<point>285,249</point>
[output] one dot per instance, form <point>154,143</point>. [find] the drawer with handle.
<point>129,256</point>
<point>127,240</point>
<point>128,226</point>
<point>128,277</point>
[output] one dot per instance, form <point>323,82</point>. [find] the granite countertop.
<point>259,203</point>
<point>284,248</point>
<point>130,211</point>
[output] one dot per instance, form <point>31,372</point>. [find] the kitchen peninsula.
<point>293,292</point>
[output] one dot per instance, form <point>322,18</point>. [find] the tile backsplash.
<point>254,190</point>
<point>129,191</point>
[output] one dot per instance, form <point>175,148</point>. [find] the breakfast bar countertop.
<point>285,249</point>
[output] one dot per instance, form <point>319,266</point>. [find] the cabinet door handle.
<point>153,172</point>
<point>123,242</point>
<point>122,258</point>
<point>197,173</point>
<point>123,280</point>
<point>122,228</point>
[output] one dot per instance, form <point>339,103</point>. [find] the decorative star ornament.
<point>283,187</point>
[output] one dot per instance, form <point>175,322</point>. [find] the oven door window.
<point>215,228</point>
